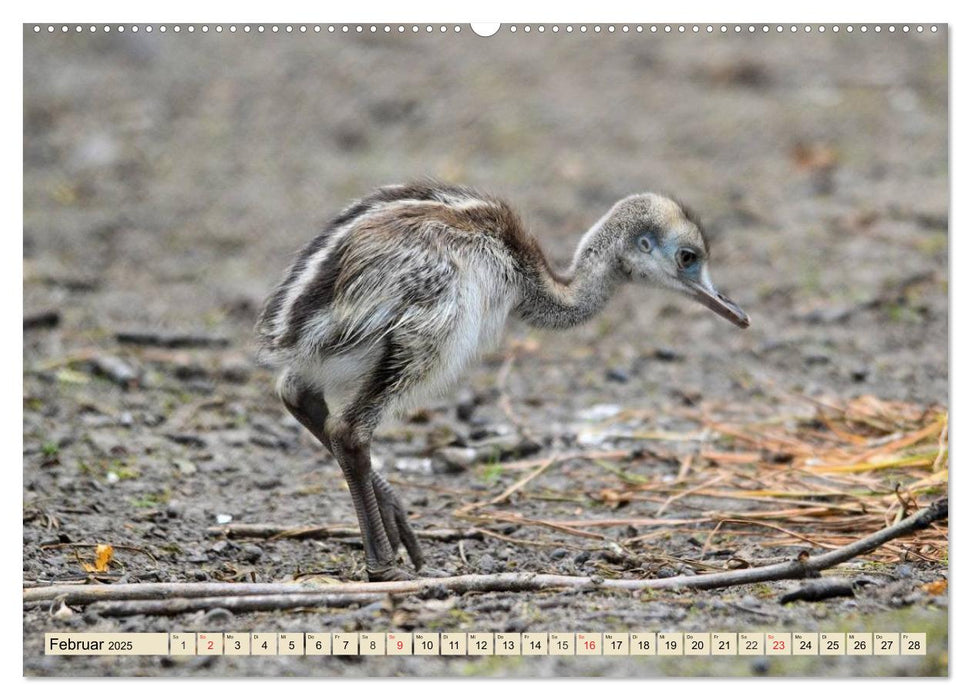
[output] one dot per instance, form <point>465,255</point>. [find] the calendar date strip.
<point>424,643</point>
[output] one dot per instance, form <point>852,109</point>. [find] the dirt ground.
<point>168,178</point>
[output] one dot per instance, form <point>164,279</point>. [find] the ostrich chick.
<point>392,301</point>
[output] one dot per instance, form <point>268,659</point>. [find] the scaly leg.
<point>396,519</point>
<point>308,406</point>
<point>348,438</point>
<point>353,454</point>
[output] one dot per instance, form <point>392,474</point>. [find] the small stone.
<point>235,438</point>
<point>599,412</point>
<point>465,408</point>
<point>186,467</point>
<point>224,519</point>
<point>219,547</point>
<point>217,616</point>
<point>480,423</point>
<point>524,448</point>
<point>452,460</point>
<point>271,442</point>
<point>559,553</point>
<point>905,571</point>
<point>504,445</point>
<point>590,438</point>
<point>760,666</point>
<point>420,465</point>
<point>187,439</point>
<point>666,572</point>
<point>667,355</point>
<point>486,563</point>
<point>126,419</point>
<point>376,607</point>
<point>112,477</point>
<point>252,553</point>
<point>438,592</point>
<point>267,483</point>
<point>580,558</point>
<point>174,509</point>
<point>96,151</point>
<point>616,374</point>
<point>117,370</point>
<point>63,612</point>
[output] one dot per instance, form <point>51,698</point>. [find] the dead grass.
<point>846,471</point>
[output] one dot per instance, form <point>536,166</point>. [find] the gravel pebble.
<point>486,563</point>
<point>217,616</point>
<point>252,553</point>
<point>618,375</point>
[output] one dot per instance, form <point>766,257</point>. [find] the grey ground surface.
<point>168,178</point>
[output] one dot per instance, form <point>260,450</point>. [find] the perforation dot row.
<point>428,28</point>
<point>725,28</point>
<point>248,28</point>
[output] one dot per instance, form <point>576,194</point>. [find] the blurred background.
<point>168,179</point>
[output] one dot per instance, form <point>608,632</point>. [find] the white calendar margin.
<point>830,11</point>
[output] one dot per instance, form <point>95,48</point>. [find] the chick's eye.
<point>686,258</point>
<point>644,243</point>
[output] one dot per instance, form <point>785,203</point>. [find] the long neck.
<point>551,300</point>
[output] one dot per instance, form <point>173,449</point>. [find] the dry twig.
<point>176,598</point>
<point>323,532</point>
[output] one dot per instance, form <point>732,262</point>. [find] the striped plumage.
<point>391,302</point>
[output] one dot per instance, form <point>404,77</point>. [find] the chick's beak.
<point>718,302</point>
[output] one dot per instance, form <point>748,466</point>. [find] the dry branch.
<point>275,532</point>
<point>236,604</point>
<point>821,589</point>
<point>173,598</point>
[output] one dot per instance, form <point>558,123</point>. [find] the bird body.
<point>412,287</point>
<point>392,301</point>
